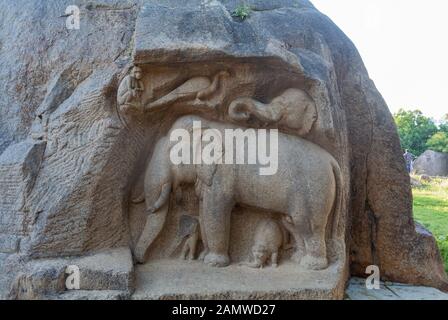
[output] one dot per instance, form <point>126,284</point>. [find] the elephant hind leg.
<point>316,249</point>
<point>312,230</point>
<point>316,256</point>
<point>297,243</point>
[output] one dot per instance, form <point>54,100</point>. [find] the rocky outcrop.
<point>59,109</point>
<point>432,163</point>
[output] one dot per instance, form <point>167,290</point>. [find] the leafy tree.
<point>444,125</point>
<point>438,142</point>
<point>414,129</point>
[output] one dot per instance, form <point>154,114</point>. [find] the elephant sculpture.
<point>293,110</point>
<point>305,190</point>
<point>269,239</point>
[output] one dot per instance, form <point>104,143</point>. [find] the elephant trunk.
<point>242,108</point>
<point>163,198</point>
<point>158,181</point>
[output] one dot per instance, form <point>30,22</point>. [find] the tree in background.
<point>444,124</point>
<point>438,142</point>
<point>415,130</point>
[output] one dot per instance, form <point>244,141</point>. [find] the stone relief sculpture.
<point>66,177</point>
<point>191,243</point>
<point>269,240</point>
<point>293,109</point>
<point>131,89</point>
<point>307,200</point>
<point>197,92</point>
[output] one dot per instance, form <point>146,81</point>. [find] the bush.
<point>438,142</point>
<point>242,11</point>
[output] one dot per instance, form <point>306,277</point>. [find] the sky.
<point>404,45</point>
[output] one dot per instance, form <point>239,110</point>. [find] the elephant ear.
<point>207,167</point>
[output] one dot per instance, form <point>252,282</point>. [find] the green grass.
<point>431,210</point>
<point>242,11</point>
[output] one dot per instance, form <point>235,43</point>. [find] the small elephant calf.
<point>269,239</point>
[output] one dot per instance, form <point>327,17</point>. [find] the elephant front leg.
<point>216,213</point>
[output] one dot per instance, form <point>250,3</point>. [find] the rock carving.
<point>293,109</point>
<point>191,243</point>
<point>308,200</point>
<point>269,239</point>
<point>131,89</point>
<point>194,92</point>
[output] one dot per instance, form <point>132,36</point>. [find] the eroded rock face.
<point>87,126</point>
<point>432,163</point>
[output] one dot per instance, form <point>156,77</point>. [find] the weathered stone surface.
<point>91,295</point>
<point>36,48</point>
<point>9,243</point>
<point>357,290</point>
<point>88,153</point>
<point>194,280</point>
<point>313,46</point>
<point>432,163</point>
<point>110,270</point>
<point>19,167</point>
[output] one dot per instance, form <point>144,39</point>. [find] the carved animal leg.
<point>203,254</point>
<point>193,245</point>
<point>299,244</point>
<point>126,98</point>
<point>316,257</point>
<point>216,213</point>
<point>274,259</point>
<point>185,250</point>
<point>313,233</point>
<point>203,235</point>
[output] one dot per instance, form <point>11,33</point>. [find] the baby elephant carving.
<point>190,246</point>
<point>269,239</point>
<point>293,109</point>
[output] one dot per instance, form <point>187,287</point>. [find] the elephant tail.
<point>336,213</point>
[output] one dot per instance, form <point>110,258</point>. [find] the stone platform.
<point>168,279</point>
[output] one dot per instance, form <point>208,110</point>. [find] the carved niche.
<point>223,214</point>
